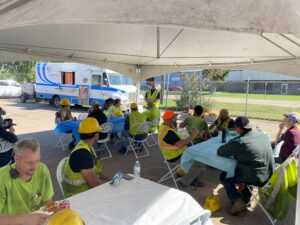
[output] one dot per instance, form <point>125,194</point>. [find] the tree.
<point>22,72</point>
<point>214,75</point>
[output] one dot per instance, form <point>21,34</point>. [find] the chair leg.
<point>169,175</point>
<point>60,143</point>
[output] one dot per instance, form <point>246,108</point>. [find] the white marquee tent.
<point>143,38</point>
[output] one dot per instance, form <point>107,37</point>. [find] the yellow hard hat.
<point>133,105</point>
<point>212,203</point>
<point>64,102</point>
<point>65,217</point>
<point>88,126</point>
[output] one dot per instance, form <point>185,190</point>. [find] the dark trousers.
<point>229,185</point>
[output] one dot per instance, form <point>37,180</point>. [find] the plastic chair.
<point>61,137</point>
<point>135,145</point>
<point>106,129</point>
<point>82,116</point>
<point>59,173</point>
<point>172,168</point>
<point>153,123</point>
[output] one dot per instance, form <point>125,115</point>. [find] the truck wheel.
<point>23,98</point>
<point>56,101</point>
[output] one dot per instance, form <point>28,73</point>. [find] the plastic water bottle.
<point>257,128</point>
<point>137,170</point>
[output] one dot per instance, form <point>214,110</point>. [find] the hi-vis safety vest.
<point>135,120</point>
<point>153,96</point>
<point>151,115</point>
<point>114,111</point>
<point>222,124</point>
<point>169,151</point>
<point>76,179</point>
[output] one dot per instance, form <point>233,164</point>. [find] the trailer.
<point>82,84</point>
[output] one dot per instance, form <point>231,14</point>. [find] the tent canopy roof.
<point>154,37</point>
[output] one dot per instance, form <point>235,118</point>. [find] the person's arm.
<point>231,148</point>
<point>8,136</point>
<point>184,142</point>
<point>30,219</point>
<point>91,178</point>
<point>212,125</point>
<point>279,132</point>
<point>231,125</point>
<point>2,111</point>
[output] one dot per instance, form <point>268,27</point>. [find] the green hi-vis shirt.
<point>22,197</point>
<point>196,123</point>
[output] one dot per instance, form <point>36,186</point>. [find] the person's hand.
<point>11,129</point>
<point>195,133</point>
<point>74,118</point>
<point>35,219</point>
<point>281,125</point>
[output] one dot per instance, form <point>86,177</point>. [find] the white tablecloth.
<point>206,152</point>
<point>138,202</point>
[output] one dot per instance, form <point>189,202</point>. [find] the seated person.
<point>172,145</point>
<point>291,136</point>
<point>100,117</point>
<point>24,186</point>
<point>132,123</point>
<point>83,169</point>
<point>152,113</point>
<point>255,163</point>
<point>7,141</point>
<point>2,113</point>
<point>108,102</point>
<point>115,109</point>
<point>94,105</point>
<point>64,113</point>
<point>223,122</point>
<point>196,122</point>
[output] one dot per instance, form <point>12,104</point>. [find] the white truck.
<point>81,84</point>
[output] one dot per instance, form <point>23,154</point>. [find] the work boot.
<point>237,207</point>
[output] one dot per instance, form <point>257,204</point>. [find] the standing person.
<point>223,122</point>
<point>83,169</point>
<point>255,163</point>
<point>153,95</point>
<point>291,136</point>
<point>7,141</point>
<point>196,122</point>
<point>115,109</point>
<point>64,113</point>
<point>24,186</point>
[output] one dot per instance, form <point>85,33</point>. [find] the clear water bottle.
<point>257,128</point>
<point>137,170</point>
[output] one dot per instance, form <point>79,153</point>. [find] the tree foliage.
<point>23,72</point>
<point>215,74</point>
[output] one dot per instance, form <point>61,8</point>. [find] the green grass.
<point>254,111</point>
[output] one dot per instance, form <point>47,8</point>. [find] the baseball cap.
<point>293,117</point>
<point>242,122</point>
<point>169,115</point>
<point>133,105</point>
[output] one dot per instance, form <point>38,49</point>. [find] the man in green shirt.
<point>24,186</point>
<point>255,163</point>
<point>196,122</point>
<point>152,113</point>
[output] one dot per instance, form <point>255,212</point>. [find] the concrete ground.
<point>36,120</point>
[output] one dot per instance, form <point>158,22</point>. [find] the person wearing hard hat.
<point>172,144</point>
<point>115,109</point>
<point>64,113</point>
<point>131,128</point>
<point>83,169</point>
<point>153,95</point>
<point>152,113</point>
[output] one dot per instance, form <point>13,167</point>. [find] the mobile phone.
<point>127,177</point>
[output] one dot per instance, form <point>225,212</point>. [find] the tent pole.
<point>138,75</point>
<point>246,106</point>
<point>167,87</point>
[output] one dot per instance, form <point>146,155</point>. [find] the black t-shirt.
<point>101,118</point>
<point>171,138</point>
<point>80,160</point>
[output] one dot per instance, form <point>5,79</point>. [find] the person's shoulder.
<point>4,173</point>
<point>42,168</point>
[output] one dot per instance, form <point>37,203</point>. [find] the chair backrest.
<point>277,148</point>
<point>143,127</point>
<point>154,122</point>
<point>106,128</point>
<point>59,171</point>
<point>204,216</point>
<point>82,116</point>
<point>182,116</point>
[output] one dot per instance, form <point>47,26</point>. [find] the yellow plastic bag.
<point>212,203</point>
